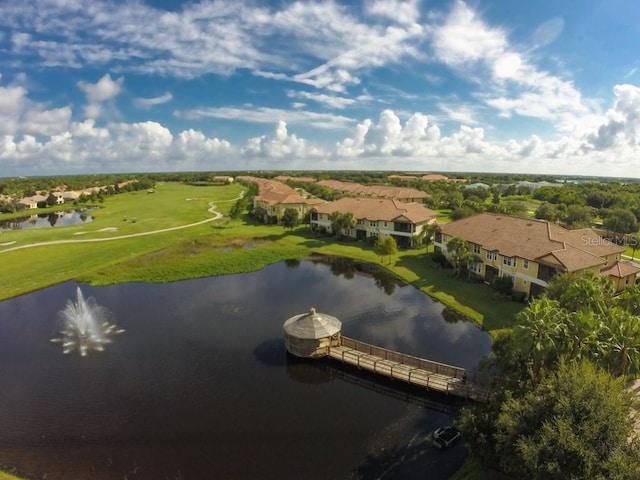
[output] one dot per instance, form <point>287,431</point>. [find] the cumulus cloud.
<point>280,145</point>
<point>19,114</point>
<point>104,90</point>
<point>622,124</point>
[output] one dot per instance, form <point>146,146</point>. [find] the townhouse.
<point>533,251</point>
<point>376,217</point>
<point>274,198</point>
<point>378,191</point>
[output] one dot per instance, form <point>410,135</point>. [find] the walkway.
<point>414,370</point>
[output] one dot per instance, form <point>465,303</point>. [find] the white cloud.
<point>146,103</point>
<point>514,86</point>
<point>622,123</point>
<point>99,93</point>
<point>405,12</point>
<point>103,90</point>
<point>19,114</point>
<point>47,122</point>
<point>464,38</point>
<point>332,101</point>
<point>280,145</point>
<point>255,114</point>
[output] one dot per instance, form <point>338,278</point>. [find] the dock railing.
<point>472,379</point>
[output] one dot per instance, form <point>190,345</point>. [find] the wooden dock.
<point>414,370</point>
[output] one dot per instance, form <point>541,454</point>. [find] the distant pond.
<point>62,218</point>
<point>199,385</point>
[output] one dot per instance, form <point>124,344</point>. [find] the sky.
<point>536,86</point>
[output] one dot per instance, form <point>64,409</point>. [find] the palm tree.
<point>459,254</point>
<point>623,342</point>
<point>629,299</point>
<point>426,235</point>
<point>583,333</point>
<point>541,329</point>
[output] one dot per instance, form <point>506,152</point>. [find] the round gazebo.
<point>310,334</point>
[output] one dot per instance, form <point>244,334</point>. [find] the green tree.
<point>548,211</point>
<point>573,425</point>
<point>578,216</point>
<point>623,342</point>
<point>459,254</point>
<point>340,222</point>
<point>290,218</point>
<point>540,327</point>
<point>391,246</point>
<point>385,247</point>
<point>633,241</point>
<point>426,234</point>
<point>620,220</point>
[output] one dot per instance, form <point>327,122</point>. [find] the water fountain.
<point>85,326</point>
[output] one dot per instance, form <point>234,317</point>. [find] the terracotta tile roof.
<point>284,178</point>
<point>402,177</point>
<point>575,259</point>
<point>382,191</point>
<point>379,209</point>
<point>533,239</point>
<point>585,238</point>
<point>620,270</point>
<point>434,177</point>
<point>277,193</point>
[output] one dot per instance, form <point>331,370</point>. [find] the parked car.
<point>445,437</point>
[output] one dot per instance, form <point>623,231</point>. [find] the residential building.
<point>274,198</point>
<point>377,217</point>
<point>533,251</point>
<point>33,201</point>
<point>377,191</point>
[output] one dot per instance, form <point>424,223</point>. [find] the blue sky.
<point>91,86</point>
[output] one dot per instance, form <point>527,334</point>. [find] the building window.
<point>373,224</point>
<point>525,263</point>
<point>476,248</point>
<point>509,261</point>
<point>492,255</point>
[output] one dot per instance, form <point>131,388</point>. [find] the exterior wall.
<point>311,348</point>
<point>372,228</point>
<point>277,210</point>
<point>524,272</point>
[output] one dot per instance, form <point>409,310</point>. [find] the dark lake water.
<point>199,385</point>
<point>47,220</point>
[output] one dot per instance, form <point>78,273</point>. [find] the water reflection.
<point>201,378</point>
<point>46,220</point>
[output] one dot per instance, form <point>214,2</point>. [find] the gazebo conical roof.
<point>312,325</point>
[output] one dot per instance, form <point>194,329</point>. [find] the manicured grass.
<point>172,205</point>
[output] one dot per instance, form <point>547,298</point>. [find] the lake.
<point>47,220</point>
<point>199,385</point>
